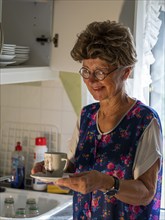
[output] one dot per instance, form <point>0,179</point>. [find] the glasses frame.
<point>95,74</point>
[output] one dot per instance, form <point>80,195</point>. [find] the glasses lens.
<point>84,73</point>
<point>99,74</point>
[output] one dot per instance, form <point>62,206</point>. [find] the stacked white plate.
<point>22,54</point>
<point>8,54</point>
<point>13,55</point>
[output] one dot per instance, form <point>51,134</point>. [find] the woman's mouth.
<point>97,88</point>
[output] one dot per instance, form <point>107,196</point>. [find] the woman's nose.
<point>92,77</point>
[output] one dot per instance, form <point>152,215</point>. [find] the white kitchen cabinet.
<point>0,10</point>
<point>27,21</point>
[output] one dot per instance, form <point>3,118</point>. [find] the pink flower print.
<point>117,147</point>
<point>124,133</point>
<point>119,173</point>
<point>88,214</point>
<point>126,159</point>
<point>93,116</point>
<point>80,167</point>
<point>110,166</point>
<point>106,138</point>
<point>95,203</point>
<point>113,199</point>
<point>135,209</point>
<point>156,204</point>
<point>99,160</point>
<point>79,200</point>
<point>89,135</point>
<point>109,173</point>
<point>132,217</point>
<point>136,112</point>
<point>149,116</point>
<point>123,157</point>
<point>90,123</point>
<point>105,214</point>
<point>86,206</point>
<point>154,217</point>
<point>93,106</point>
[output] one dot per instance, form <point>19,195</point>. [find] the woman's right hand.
<point>38,167</point>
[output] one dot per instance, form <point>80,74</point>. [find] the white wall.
<point>71,17</point>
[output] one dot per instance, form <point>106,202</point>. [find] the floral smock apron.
<point>112,153</point>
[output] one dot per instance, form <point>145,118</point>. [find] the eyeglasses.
<point>99,74</point>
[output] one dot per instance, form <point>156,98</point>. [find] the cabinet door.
<point>70,18</point>
<point>29,23</point>
<point>0,11</point>
<point>0,25</point>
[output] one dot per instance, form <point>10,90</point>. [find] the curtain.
<point>147,27</point>
<point>157,88</point>
<point>149,74</point>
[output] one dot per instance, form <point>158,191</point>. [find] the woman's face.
<point>110,86</point>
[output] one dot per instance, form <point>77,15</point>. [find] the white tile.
<point>30,115</point>
<point>4,95</point>
<point>64,142</point>
<point>66,103</point>
<point>31,96</point>
<point>9,114</point>
<point>51,118</point>
<point>68,122</point>
<point>12,95</point>
<point>51,98</point>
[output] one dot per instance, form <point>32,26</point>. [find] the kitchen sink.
<point>49,203</point>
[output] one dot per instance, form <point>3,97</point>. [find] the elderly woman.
<point>116,148</point>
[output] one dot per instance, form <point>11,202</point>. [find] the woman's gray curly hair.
<point>107,40</point>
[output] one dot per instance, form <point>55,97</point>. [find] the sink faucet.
<point>4,178</point>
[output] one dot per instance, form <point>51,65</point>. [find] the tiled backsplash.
<point>26,134</point>
<point>45,103</point>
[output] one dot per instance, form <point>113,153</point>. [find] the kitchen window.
<point>157,93</point>
<point>149,74</point>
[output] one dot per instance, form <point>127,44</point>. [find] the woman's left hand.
<point>85,182</point>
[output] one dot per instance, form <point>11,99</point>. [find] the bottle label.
<point>35,181</point>
<point>18,172</point>
<point>15,162</point>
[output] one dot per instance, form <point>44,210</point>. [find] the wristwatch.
<point>115,189</point>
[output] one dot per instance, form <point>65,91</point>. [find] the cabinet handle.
<point>42,40</point>
<point>1,38</point>
<point>55,40</point>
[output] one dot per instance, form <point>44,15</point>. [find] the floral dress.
<point>112,153</point>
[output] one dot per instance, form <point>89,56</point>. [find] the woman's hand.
<point>86,182</point>
<point>38,167</point>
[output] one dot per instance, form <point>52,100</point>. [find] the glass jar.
<point>20,213</point>
<point>9,210</point>
<point>31,208</point>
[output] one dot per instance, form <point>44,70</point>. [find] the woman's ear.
<point>127,72</point>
